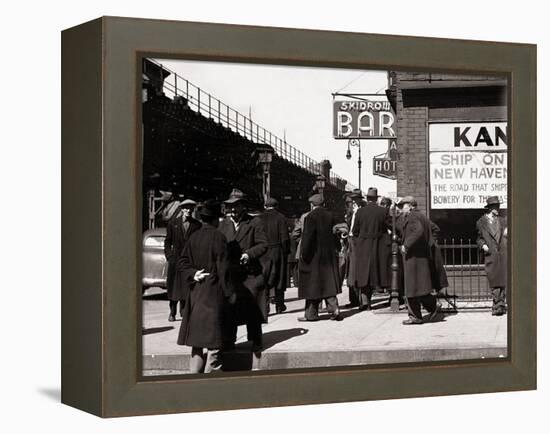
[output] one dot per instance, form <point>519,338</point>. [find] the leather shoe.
<point>413,321</point>
<point>433,316</point>
<point>304,319</point>
<point>336,317</point>
<point>280,308</point>
<point>171,318</point>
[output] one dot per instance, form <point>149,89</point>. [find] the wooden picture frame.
<point>101,203</point>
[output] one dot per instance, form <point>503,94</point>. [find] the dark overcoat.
<point>496,260</point>
<point>174,243</point>
<point>422,273</point>
<point>274,261</point>
<point>248,279</point>
<point>202,318</point>
<point>319,277</point>
<point>368,228</point>
<point>384,252</point>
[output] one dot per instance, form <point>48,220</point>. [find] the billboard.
<point>468,163</point>
<point>363,119</point>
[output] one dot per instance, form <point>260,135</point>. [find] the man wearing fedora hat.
<point>356,201</point>
<point>204,265</point>
<point>422,272</point>
<point>368,228</point>
<point>247,242</point>
<point>319,276</point>
<point>275,260</point>
<point>492,241</point>
<point>179,229</point>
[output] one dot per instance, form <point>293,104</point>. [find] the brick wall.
<point>412,152</point>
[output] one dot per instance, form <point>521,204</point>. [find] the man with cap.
<point>319,277</point>
<point>247,242</point>
<point>492,241</point>
<point>368,228</point>
<point>204,265</point>
<point>417,250</point>
<point>275,260</point>
<point>178,231</point>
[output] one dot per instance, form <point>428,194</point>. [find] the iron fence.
<point>211,107</point>
<point>464,263</point>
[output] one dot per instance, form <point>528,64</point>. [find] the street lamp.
<point>265,157</point>
<point>320,183</point>
<point>355,142</point>
<point>394,297</point>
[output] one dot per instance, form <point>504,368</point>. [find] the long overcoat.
<point>319,277</point>
<point>496,260</point>
<point>368,228</point>
<point>248,279</point>
<point>174,243</point>
<point>274,261</point>
<point>384,252</point>
<point>422,272</point>
<point>202,319</point>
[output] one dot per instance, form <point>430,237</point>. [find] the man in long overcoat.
<point>368,228</point>
<point>247,242</point>
<point>180,227</point>
<point>204,265</point>
<point>492,240</point>
<point>319,278</point>
<point>421,276</point>
<point>278,248</point>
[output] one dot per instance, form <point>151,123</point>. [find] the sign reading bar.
<point>468,163</point>
<point>363,119</point>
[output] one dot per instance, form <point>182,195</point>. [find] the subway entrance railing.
<point>468,285</point>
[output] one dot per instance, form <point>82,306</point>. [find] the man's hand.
<point>485,248</point>
<point>245,258</point>
<point>403,249</point>
<point>200,275</point>
<point>232,298</point>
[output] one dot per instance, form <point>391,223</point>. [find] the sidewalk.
<point>370,337</point>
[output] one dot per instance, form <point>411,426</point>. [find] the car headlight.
<point>154,242</point>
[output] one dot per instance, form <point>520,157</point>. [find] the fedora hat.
<point>210,208</point>
<point>235,196</point>
<point>407,199</point>
<point>188,202</point>
<point>356,193</point>
<point>372,192</point>
<point>316,200</point>
<point>492,201</point>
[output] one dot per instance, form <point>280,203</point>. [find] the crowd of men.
<point>227,268</point>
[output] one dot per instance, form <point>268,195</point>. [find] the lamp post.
<point>320,183</point>
<point>394,304</point>
<point>265,157</point>
<point>357,143</point>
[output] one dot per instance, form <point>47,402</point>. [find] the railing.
<point>465,268</point>
<point>211,107</point>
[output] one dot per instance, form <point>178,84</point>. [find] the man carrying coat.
<point>204,265</point>
<point>319,278</point>
<point>278,248</point>
<point>247,242</point>
<point>368,228</point>
<point>492,240</point>
<point>180,227</point>
<point>421,272</point>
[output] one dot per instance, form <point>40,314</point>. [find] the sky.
<point>296,101</point>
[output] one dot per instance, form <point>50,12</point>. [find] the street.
<point>362,338</point>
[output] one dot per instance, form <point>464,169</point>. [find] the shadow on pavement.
<point>241,359</point>
<point>153,330</point>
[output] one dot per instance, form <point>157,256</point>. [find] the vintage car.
<point>155,267</point>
